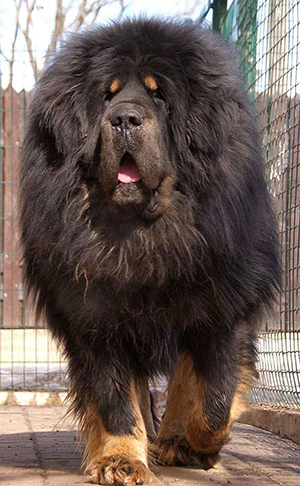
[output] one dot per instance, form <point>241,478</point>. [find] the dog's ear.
<point>58,112</point>
<point>216,95</point>
<point>210,123</point>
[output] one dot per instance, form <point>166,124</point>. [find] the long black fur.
<point>125,293</point>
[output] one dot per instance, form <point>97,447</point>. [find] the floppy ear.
<point>59,109</point>
<point>216,95</point>
<point>213,115</point>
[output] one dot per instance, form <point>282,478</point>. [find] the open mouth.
<point>130,194</point>
<point>128,170</point>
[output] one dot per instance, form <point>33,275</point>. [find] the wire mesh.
<point>268,35</point>
<point>29,359</point>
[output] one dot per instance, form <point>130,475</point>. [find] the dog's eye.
<point>158,95</point>
<point>108,97</point>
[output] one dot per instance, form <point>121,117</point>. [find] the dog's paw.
<point>121,471</point>
<point>176,451</point>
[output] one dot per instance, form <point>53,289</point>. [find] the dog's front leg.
<point>111,419</point>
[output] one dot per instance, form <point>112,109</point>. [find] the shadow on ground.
<point>58,450</point>
<point>251,457</point>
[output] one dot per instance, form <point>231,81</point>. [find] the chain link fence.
<point>29,359</point>
<point>267,33</point>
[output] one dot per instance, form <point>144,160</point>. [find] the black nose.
<point>126,118</point>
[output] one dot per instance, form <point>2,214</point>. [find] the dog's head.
<point>145,108</point>
<point>132,150</point>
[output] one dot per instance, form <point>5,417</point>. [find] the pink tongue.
<point>128,171</point>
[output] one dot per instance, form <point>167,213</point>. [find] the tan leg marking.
<point>199,434</point>
<point>173,448</point>
<point>181,396</point>
<point>185,437</point>
<point>116,460</point>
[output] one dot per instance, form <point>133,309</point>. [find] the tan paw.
<point>121,471</point>
<point>176,451</point>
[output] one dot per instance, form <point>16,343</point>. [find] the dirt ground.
<point>37,448</point>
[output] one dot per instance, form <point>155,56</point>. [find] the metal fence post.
<point>219,12</point>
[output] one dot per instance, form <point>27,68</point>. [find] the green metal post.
<point>219,12</point>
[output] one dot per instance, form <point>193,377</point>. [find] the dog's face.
<point>135,169</point>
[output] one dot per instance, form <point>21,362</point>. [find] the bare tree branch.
<point>70,16</point>
<point>60,17</point>
<point>86,9</point>
<point>27,35</point>
<point>190,10</point>
<point>18,4</point>
<point>122,9</point>
<point>11,59</point>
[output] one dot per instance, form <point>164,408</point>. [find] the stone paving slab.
<point>40,448</point>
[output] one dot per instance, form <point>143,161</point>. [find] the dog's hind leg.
<point>173,448</point>
<point>205,396</point>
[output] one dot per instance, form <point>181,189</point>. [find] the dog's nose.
<point>126,118</point>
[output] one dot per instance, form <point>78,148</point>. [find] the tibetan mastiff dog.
<point>148,238</point>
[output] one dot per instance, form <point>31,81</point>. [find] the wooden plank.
<point>11,283</point>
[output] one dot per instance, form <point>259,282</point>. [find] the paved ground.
<point>36,450</point>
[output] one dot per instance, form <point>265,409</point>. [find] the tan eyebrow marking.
<point>150,83</point>
<point>115,85</point>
